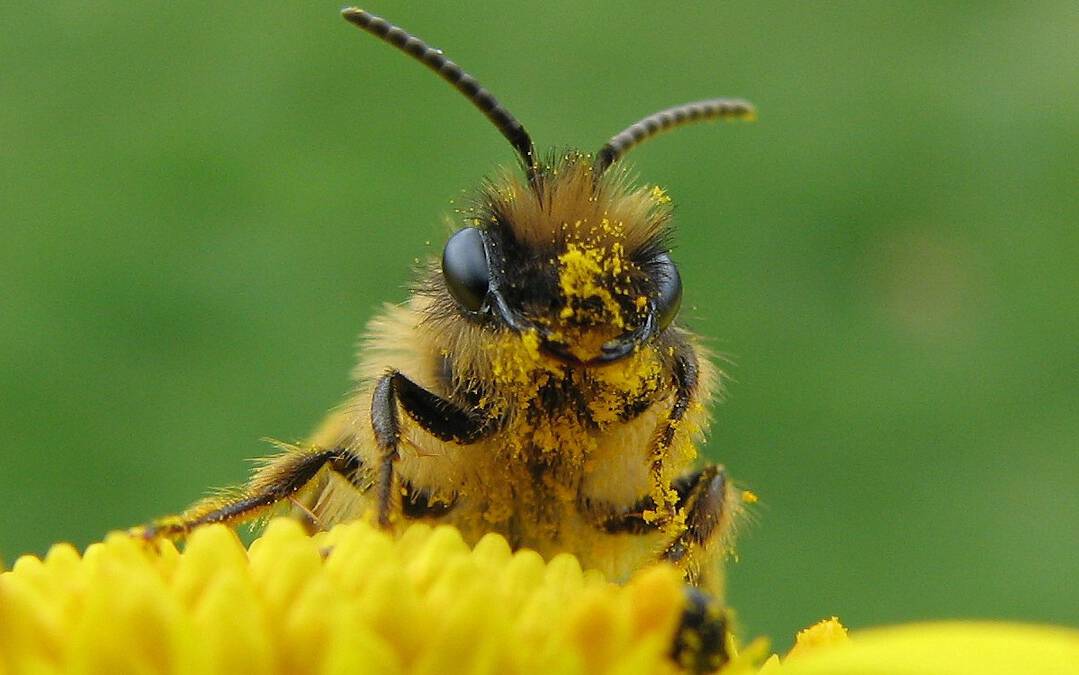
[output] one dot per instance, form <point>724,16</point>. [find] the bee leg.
<point>685,381</point>
<point>703,497</point>
<point>441,418</point>
<point>705,500</point>
<point>279,480</point>
<point>700,643</point>
<point>707,503</point>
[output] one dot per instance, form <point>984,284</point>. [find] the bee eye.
<point>668,290</point>
<point>465,268</point>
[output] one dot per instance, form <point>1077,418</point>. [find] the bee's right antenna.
<point>699,111</point>
<point>451,72</point>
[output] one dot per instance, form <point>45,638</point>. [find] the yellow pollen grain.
<point>659,195</point>
<point>634,378</point>
<point>514,358</point>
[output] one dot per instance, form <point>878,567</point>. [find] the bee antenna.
<point>698,111</point>
<point>451,72</point>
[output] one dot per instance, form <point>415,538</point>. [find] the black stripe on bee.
<point>418,503</point>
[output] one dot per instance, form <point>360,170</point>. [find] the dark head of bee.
<point>591,276</point>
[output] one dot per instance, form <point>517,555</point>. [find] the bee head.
<point>574,257</point>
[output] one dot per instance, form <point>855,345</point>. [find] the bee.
<point>537,383</point>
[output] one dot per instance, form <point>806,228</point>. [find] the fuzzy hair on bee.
<point>537,382</point>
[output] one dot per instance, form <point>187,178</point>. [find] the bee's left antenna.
<point>451,72</point>
<point>698,111</point>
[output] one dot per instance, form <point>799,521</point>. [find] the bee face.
<point>594,283</point>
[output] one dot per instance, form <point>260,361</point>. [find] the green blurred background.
<point>201,204</point>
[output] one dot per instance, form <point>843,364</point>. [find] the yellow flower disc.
<point>353,600</point>
<point>356,601</point>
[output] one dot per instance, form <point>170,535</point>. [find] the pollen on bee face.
<point>516,359</point>
<point>582,275</point>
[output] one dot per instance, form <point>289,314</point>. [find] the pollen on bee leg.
<point>666,514</point>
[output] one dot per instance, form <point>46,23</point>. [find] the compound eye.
<point>465,268</point>
<point>668,290</point>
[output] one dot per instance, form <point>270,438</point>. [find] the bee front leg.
<point>707,504</point>
<point>441,418</point>
<point>706,501</point>
<point>279,479</point>
<point>665,499</point>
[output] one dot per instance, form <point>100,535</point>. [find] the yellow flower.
<point>349,601</point>
<point>943,648</point>
<point>355,600</point>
